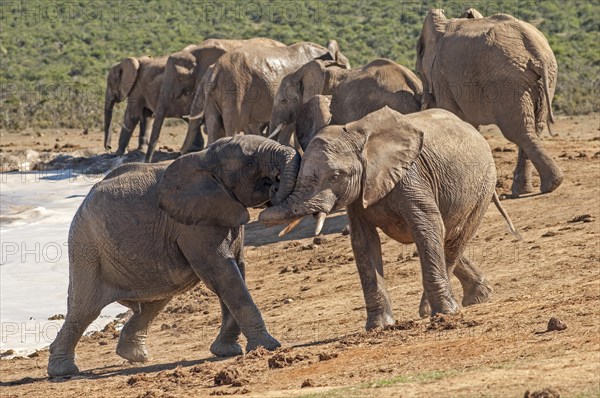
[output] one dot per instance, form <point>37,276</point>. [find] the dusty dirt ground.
<point>311,300</point>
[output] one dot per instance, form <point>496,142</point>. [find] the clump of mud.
<point>544,393</point>
<point>448,322</point>
<point>283,359</point>
<point>229,376</point>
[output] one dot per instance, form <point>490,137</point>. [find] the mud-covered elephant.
<point>494,70</point>
<point>238,91</point>
<point>184,71</point>
<point>424,178</point>
<point>354,92</point>
<point>148,232</point>
<point>138,80</point>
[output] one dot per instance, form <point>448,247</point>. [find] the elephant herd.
<point>399,153</point>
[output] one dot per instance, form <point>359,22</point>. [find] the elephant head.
<point>314,78</point>
<point>313,115</point>
<point>233,173</point>
<point>362,160</point>
<point>433,29</point>
<point>119,82</point>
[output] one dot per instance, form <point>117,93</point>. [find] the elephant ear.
<point>336,54</point>
<point>312,80</point>
<point>190,193</point>
<point>391,147</point>
<point>129,70</point>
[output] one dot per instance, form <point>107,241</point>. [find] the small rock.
<point>165,326</point>
<point>34,354</point>
<point>39,134</point>
<point>581,218</point>
<point>85,132</point>
<point>56,317</point>
<point>555,324</point>
<point>307,383</point>
<point>7,353</point>
<point>319,240</point>
<point>103,342</point>
<point>288,301</point>
<point>309,246</point>
<point>549,234</point>
<point>545,393</point>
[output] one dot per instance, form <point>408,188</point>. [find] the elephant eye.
<point>250,165</point>
<point>334,177</point>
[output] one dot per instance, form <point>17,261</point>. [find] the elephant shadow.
<point>257,234</point>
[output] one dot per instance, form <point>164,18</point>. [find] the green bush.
<point>54,55</point>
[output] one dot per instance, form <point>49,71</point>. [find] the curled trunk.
<point>287,161</point>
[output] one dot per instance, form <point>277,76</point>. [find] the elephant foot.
<point>446,306</point>
<point>379,321</point>
<point>119,152</point>
<point>62,366</point>
<point>266,340</point>
<point>549,185</point>
<point>222,348</point>
<point>479,293</point>
<point>132,350</point>
<point>424,308</point>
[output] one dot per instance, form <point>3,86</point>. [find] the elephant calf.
<point>424,178</point>
<point>124,248</point>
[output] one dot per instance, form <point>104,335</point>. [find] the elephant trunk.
<point>287,161</point>
<point>109,103</point>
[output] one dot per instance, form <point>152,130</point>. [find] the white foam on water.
<point>36,210</point>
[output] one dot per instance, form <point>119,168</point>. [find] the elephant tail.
<point>550,118</point>
<point>502,211</point>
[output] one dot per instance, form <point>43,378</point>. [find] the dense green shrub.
<point>54,55</point>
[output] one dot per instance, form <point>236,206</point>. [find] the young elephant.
<point>423,178</point>
<point>198,235</point>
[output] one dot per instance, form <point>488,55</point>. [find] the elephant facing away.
<point>354,92</point>
<point>424,178</point>
<point>238,92</point>
<point>183,72</point>
<point>138,80</point>
<point>188,221</point>
<point>494,70</point>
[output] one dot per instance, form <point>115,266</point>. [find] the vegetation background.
<point>54,55</point>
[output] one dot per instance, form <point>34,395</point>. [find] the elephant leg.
<point>221,272</point>
<point>526,138</point>
<point>226,344</point>
<point>522,175</point>
<point>366,246</point>
<point>84,304</point>
<point>476,288</point>
<point>427,227</point>
<point>132,340</point>
<point>145,124</point>
<point>156,127</point>
<point>193,138</point>
<point>213,123</point>
<point>130,121</point>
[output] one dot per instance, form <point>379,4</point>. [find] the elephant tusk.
<point>289,227</point>
<point>320,222</point>
<point>198,116</point>
<point>277,130</point>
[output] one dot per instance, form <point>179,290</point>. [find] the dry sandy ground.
<point>311,299</point>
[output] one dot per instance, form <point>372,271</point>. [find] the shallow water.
<point>36,210</point>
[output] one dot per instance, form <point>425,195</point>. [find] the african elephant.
<point>183,73</point>
<point>238,92</point>
<point>494,70</point>
<point>423,178</point>
<point>138,80</point>
<point>188,220</point>
<point>355,92</point>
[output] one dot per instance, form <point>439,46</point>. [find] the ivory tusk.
<point>198,116</point>
<point>277,130</point>
<point>320,221</point>
<point>290,226</point>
